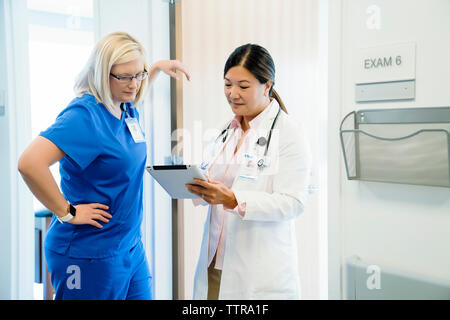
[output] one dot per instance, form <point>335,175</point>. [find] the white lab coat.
<point>260,256</point>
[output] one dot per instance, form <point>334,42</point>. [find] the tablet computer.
<point>175,177</point>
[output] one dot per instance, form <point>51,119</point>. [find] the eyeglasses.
<point>126,79</point>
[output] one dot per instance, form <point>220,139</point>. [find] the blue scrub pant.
<point>122,277</point>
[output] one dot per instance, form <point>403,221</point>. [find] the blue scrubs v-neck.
<point>104,165</point>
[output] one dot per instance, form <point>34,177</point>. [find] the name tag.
<point>249,167</point>
<point>135,130</point>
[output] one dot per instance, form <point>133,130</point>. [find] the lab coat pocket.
<point>261,183</point>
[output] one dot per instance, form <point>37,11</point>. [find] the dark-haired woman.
<point>257,177</point>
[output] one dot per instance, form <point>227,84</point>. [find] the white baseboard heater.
<point>366,281</point>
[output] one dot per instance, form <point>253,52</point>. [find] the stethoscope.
<point>262,141</point>
<point>123,108</point>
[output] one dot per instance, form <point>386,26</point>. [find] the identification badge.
<point>135,130</point>
<point>249,167</point>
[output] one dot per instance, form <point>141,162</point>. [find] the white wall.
<point>5,168</point>
<point>403,226</point>
<point>332,12</point>
<point>289,30</point>
<point>16,211</point>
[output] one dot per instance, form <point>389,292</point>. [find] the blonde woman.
<point>93,247</point>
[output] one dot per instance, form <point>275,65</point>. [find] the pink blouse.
<point>225,169</point>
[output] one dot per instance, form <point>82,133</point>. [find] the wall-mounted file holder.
<point>410,146</point>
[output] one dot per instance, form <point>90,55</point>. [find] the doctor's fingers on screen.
<point>90,213</point>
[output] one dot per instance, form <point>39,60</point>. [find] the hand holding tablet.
<point>174,178</point>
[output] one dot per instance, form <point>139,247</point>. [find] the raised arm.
<point>169,67</point>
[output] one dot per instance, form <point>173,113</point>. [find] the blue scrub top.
<point>103,164</point>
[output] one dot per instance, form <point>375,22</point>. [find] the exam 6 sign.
<point>385,63</point>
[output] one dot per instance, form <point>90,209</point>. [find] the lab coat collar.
<point>264,121</point>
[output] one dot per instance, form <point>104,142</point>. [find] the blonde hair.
<point>115,48</point>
